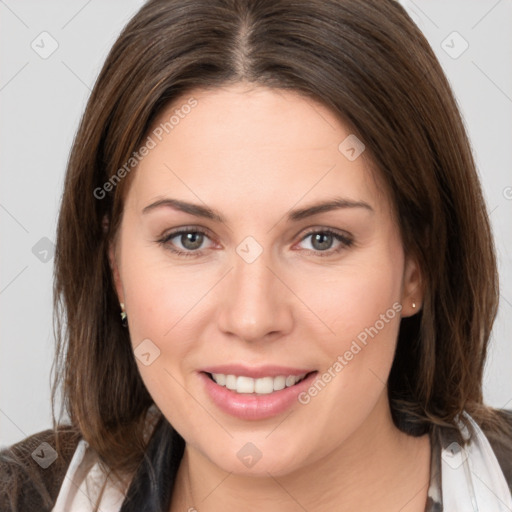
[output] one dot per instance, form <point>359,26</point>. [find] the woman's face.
<point>268,287</point>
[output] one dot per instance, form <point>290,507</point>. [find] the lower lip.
<point>248,406</point>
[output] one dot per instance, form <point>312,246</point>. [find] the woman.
<point>275,277</point>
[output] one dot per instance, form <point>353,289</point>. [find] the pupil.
<point>322,237</point>
<point>192,240</point>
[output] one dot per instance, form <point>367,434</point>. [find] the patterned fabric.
<point>24,484</point>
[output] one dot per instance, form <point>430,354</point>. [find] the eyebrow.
<point>294,215</point>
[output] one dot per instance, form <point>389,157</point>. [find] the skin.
<point>253,154</point>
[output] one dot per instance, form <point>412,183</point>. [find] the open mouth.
<point>260,386</point>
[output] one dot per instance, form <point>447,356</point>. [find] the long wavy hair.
<point>369,63</point>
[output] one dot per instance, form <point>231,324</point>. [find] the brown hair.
<point>367,62</point>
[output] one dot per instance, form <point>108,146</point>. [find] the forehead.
<point>239,117</point>
<point>252,146</point>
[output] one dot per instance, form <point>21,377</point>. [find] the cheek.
<point>361,306</point>
<point>363,292</point>
<point>165,303</point>
<point>160,304</point>
<point>159,294</point>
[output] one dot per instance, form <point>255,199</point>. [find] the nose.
<point>256,304</point>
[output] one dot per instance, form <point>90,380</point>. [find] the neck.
<point>358,475</point>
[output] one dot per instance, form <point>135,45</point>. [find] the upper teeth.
<point>264,385</point>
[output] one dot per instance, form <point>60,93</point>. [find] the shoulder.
<point>32,470</point>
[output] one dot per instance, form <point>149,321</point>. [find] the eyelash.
<point>345,241</point>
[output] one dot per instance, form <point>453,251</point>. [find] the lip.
<point>251,406</point>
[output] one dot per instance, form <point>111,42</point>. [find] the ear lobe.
<point>412,294</point>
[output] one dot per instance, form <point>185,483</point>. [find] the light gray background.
<point>41,103</point>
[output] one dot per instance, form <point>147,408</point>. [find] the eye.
<point>190,240</point>
<point>322,240</point>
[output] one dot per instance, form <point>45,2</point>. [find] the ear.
<point>115,271</point>
<point>412,291</point>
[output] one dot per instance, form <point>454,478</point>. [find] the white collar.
<point>82,485</point>
<point>472,479</point>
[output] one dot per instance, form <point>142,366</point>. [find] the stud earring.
<point>414,305</point>
<point>124,319</point>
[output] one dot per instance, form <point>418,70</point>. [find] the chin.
<point>257,459</point>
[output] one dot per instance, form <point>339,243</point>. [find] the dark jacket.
<point>25,486</point>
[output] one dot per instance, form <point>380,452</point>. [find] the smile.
<point>254,393</point>
<point>262,386</point>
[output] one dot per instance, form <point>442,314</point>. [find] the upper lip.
<point>256,372</point>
